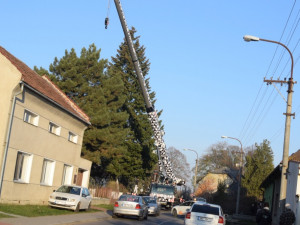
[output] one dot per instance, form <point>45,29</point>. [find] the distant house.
<point>271,186</point>
<point>225,175</point>
<point>41,132</point>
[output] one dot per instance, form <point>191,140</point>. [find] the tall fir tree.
<point>259,164</point>
<point>141,142</point>
<point>101,95</point>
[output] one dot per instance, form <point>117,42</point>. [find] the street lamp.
<point>240,176</point>
<point>196,167</point>
<point>288,114</point>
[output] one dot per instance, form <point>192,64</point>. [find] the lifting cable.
<point>106,21</point>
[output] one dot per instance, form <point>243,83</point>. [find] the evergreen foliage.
<point>141,143</point>
<point>120,140</point>
<point>259,164</point>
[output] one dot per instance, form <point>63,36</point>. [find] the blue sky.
<point>206,78</point>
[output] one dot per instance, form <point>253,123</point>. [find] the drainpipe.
<point>8,135</point>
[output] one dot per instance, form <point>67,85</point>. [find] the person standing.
<point>288,216</point>
<point>264,216</point>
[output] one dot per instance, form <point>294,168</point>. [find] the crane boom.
<point>164,164</point>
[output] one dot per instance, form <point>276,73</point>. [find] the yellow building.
<point>41,132</point>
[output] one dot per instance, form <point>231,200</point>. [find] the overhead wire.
<point>247,133</point>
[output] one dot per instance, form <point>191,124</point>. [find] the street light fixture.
<point>288,114</point>
<point>196,167</point>
<point>240,175</point>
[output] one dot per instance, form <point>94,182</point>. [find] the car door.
<point>85,198</point>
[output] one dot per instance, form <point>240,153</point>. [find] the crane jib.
<point>163,160</point>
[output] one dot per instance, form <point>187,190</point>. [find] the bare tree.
<point>181,167</point>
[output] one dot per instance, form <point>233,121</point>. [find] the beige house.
<point>41,134</point>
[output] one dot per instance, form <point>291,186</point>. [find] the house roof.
<point>276,173</point>
<point>46,88</point>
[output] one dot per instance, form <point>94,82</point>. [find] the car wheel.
<point>140,218</point>
<point>89,207</point>
<point>77,207</point>
<point>157,214</point>
<point>146,217</point>
<point>174,213</point>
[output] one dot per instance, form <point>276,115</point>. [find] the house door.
<point>79,177</point>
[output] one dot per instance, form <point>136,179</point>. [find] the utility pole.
<point>288,114</point>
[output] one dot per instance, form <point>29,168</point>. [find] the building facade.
<point>41,135</point>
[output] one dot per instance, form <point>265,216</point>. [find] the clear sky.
<point>208,81</point>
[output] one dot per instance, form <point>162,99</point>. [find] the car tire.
<point>89,207</point>
<point>77,207</point>
<point>146,217</point>
<point>140,218</point>
<point>157,214</point>
<point>174,213</point>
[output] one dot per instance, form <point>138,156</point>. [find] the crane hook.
<point>106,22</point>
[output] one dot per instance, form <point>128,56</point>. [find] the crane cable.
<point>106,21</point>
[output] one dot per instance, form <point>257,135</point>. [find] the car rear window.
<point>129,198</point>
<point>205,209</point>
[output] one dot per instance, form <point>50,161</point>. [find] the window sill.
<point>21,182</point>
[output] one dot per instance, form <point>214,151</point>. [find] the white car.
<point>71,197</point>
<point>202,213</point>
<point>182,208</point>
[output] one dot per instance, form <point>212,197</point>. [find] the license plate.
<point>204,218</point>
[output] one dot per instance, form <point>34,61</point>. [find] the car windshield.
<point>150,200</point>
<point>69,190</point>
<point>129,198</point>
<point>205,209</point>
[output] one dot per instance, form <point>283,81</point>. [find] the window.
<point>23,167</point>
<point>47,172</point>
<point>30,117</point>
<point>67,174</point>
<point>54,129</point>
<point>73,137</point>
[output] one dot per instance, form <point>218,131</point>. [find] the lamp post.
<point>288,114</point>
<point>196,167</point>
<point>240,175</point>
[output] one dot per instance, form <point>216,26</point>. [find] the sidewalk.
<point>55,220</point>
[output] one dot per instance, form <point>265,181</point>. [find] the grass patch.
<point>105,206</point>
<point>36,210</point>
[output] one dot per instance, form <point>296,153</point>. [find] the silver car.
<point>130,205</point>
<point>153,205</point>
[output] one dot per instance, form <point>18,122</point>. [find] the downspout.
<point>8,136</point>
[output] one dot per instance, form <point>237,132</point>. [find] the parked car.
<point>130,205</point>
<point>71,197</point>
<point>182,208</point>
<point>202,213</point>
<point>153,206</point>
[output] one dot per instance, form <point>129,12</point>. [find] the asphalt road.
<point>165,218</point>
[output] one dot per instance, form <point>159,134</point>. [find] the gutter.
<point>8,135</point>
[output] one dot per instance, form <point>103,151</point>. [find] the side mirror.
<point>53,190</point>
<point>188,210</point>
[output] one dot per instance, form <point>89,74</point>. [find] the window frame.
<point>67,175</point>
<point>54,128</point>
<point>72,137</point>
<point>31,117</point>
<point>47,174</point>
<point>23,168</point>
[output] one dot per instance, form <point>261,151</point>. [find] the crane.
<point>164,164</point>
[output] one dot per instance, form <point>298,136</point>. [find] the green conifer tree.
<point>141,142</point>
<point>259,164</point>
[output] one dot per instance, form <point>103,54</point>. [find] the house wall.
<point>214,179</point>
<point>9,85</point>
<point>41,144</point>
